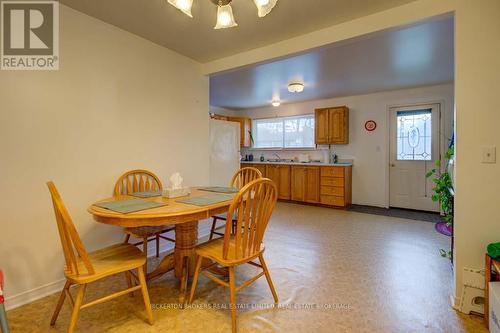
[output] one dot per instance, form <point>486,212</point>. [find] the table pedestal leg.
<point>186,238</point>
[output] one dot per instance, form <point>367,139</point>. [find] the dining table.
<point>185,218</point>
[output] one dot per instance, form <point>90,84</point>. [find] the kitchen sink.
<point>281,160</point>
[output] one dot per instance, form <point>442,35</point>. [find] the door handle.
<point>393,165</point>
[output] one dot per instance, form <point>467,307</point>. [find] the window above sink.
<point>284,132</point>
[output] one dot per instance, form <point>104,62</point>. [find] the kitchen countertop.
<point>298,163</point>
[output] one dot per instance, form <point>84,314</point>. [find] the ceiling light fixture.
<point>264,7</point>
<point>225,17</point>
<point>276,103</point>
<point>183,5</point>
<point>296,87</point>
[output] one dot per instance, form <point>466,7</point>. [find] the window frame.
<point>255,121</point>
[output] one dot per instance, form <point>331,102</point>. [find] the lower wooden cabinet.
<point>280,175</point>
<point>326,185</point>
<point>260,167</point>
<point>335,186</point>
<point>305,184</point>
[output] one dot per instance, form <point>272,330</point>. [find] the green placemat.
<point>206,200</point>
<point>220,189</point>
<point>129,206</point>
<point>146,194</point>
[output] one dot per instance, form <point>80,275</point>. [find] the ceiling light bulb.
<point>264,7</point>
<point>182,5</point>
<point>276,103</point>
<point>296,87</point>
<point>225,18</point>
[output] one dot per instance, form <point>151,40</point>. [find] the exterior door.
<point>414,149</point>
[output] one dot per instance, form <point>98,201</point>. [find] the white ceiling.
<point>421,54</point>
<point>161,23</point>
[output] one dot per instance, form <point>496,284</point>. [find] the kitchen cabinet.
<point>245,130</point>
<point>305,184</point>
<point>336,186</point>
<point>260,167</point>
<point>332,125</point>
<point>280,175</point>
<point>325,185</point>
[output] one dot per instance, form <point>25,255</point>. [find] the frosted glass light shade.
<point>225,18</point>
<point>183,5</point>
<point>264,7</point>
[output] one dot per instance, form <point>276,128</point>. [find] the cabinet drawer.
<point>332,200</point>
<point>332,181</point>
<point>332,190</point>
<point>332,172</point>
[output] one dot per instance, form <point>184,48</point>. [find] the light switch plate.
<point>489,155</point>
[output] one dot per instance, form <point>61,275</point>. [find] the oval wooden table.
<point>185,217</point>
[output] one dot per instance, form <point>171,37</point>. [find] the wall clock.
<point>370,125</point>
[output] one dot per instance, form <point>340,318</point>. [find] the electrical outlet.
<point>489,155</point>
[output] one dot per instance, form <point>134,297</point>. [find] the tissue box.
<point>175,193</point>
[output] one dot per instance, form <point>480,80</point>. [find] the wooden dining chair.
<point>140,181</point>
<point>82,267</point>
<point>254,203</point>
<point>240,179</point>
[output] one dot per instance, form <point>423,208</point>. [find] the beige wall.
<point>477,67</point>
<point>368,150</point>
<point>118,102</point>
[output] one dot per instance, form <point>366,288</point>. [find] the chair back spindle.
<point>73,248</point>
<point>245,176</point>
<point>137,181</point>
<point>254,205</point>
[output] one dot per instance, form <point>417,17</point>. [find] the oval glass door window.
<point>413,137</point>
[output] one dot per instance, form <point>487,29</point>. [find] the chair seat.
<point>213,250</point>
<point>142,232</point>
<point>108,261</point>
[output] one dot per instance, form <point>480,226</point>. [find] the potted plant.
<point>443,193</point>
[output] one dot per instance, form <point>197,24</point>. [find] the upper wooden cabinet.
<point>332,126</point>
<point>245,129</point>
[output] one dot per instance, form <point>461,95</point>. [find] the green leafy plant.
<point>442,193</point>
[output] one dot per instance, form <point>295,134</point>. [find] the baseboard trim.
<point>34,294</point>
<point>455,302</point>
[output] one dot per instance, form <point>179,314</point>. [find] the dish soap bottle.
<point>262,157</point>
